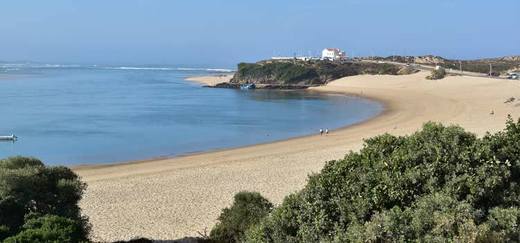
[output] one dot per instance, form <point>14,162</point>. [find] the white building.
<point>333,54</point>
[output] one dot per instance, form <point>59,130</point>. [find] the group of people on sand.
<point>326,131</point>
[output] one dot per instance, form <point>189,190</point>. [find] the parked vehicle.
<point>513,76</point>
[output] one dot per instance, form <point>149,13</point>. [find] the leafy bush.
<point>438,73</point>
<point>436,185</point>
<point>407,70</point>
<point>49,228</point>
<point>277,72</point>
<point>4,232</point>
<point>248,209</point>
<point>29,189</point>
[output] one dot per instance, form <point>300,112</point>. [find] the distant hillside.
<point>499,65</point>
<point>305,73</point>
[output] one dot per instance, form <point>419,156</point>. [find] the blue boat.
<point>247,86</point>
<point>11,137</point>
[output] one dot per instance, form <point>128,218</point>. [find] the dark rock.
<point>226,86</point>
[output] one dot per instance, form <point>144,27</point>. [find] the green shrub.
<point>504,224</point>
<point>29,189</point>
<point>282,224</point>
<point>4,232</point>
<point>49,228</point>
<point>438,73</point>
<point>306,73</point>
<point>248,209</point>
<point>407,70</point>
<point>440,184</point>
<point>275,73</point>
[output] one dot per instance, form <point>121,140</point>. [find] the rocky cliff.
<point>304,73</point>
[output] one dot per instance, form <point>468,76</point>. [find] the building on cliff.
<point>333,54</point>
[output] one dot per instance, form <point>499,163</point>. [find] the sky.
<point>221,33</point>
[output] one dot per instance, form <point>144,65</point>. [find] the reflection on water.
<point>272,95</point>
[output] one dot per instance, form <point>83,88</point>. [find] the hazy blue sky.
<point>222,33</point>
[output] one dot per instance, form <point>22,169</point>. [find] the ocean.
<point>90,114</point>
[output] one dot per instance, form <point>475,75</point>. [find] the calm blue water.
<point>90,114</point>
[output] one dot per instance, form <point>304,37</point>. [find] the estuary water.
<point>88,114</point>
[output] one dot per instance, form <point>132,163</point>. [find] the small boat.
<point>247,86</point>
<point>11,137</point>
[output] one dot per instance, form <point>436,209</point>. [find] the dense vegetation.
<point>247,210</point>
<point>306,73</point>
<point>440,184</point>
<point>277,72</point>
<point>39,203</point>
<point>499,65</point>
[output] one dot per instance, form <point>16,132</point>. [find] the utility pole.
<point>460,66</point>
<point>490,70</point>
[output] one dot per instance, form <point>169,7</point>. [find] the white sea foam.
<point>54,65</point>
<point>141,68</point>
<point>151,68</point>
<point>12,65</point>
<point>37,65</point>
<point>220,70</point>
<point>172,69</point>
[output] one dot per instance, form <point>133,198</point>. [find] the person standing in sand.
<point>326,131</point>
<point>321,131</point>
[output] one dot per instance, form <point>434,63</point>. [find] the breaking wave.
<point>220,70</point>
<point>151,68</point>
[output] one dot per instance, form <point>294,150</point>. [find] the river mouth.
<point>95,115</point>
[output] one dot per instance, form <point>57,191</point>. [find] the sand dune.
<point>172,198</point>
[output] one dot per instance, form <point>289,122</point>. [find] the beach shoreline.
<point>96,165</point>
<point>170,198</point>
<point>211,80</point>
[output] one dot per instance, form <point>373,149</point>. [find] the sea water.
<point>88,114</point>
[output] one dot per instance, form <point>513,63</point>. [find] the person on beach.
<point>321,131</point>
<point>326,131</point>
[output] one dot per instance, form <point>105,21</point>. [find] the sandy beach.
<point>211,80</point>
<point>167,199</point>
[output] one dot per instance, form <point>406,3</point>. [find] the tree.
<point>29,188</point>
<point>247,209</point>
<point>49,228</point>
<point>438,184</point>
